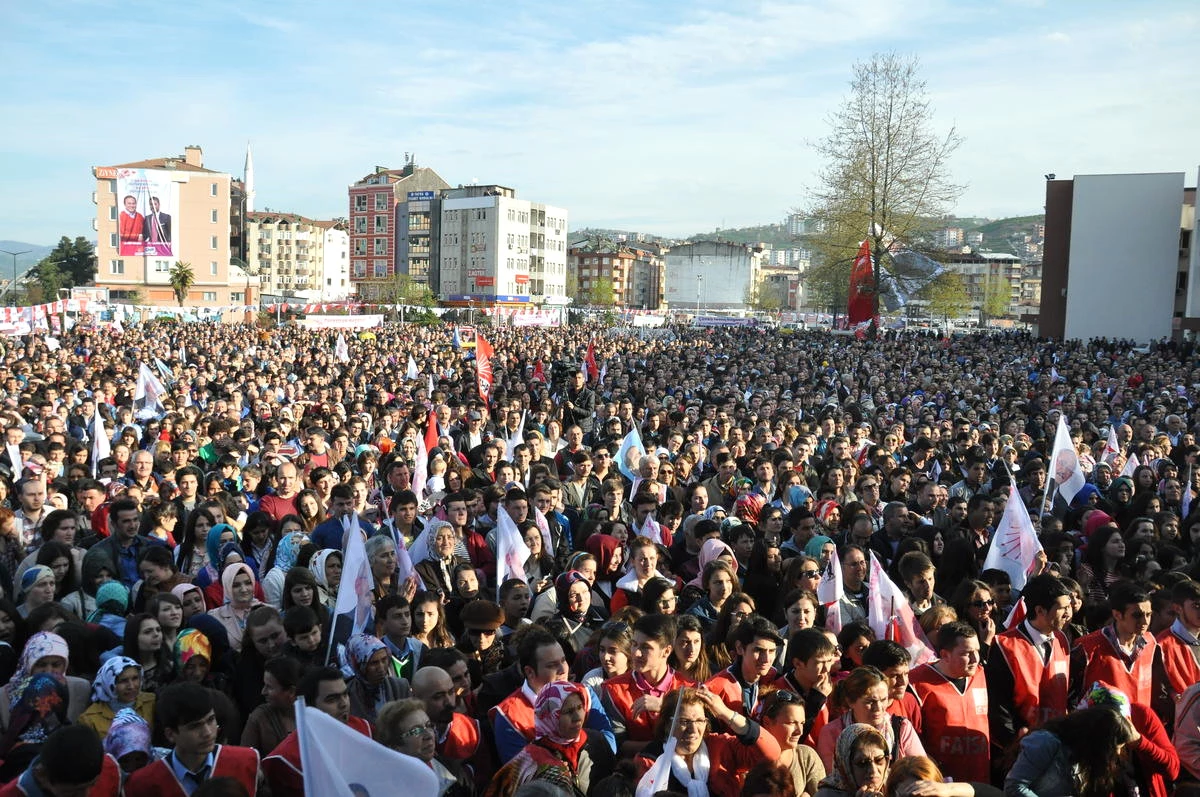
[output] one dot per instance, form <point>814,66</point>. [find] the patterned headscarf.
<point>1102,694</point>
<point>361,648</point>
<point>104,688</point>
<point>749,506</point>
<point>798,495</point>
<point>547,708</point>
<point>317,565</point>
<point>39,646</point>
<point>114,596</point>
<point>852,738</point>
<point>129,733</point>
<point>232,572</point>
<point>33,575</point>
<point>189,643</point>
<point>824,509</point>
<point>562,591</point>
<point>289,549</point>
<point>40,707</point>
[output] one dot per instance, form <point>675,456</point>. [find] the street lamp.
<point>13,287</point>
<point>699,288</point>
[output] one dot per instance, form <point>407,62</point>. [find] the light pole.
<point>13,287</point>
<point>699,288</point>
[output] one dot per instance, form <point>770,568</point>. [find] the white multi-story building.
<point>335,272</point>
<point>298,257</point>
<point>496,248</point>
<point>714,275</point>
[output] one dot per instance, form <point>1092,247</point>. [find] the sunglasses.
<point>809,573</point>
<point>982,604</point>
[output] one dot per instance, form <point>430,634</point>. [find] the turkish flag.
<point>862,287</point>
<point>483,367</point>
<point>593,370</point>
<point>539,373</point>
<point>431,430</point>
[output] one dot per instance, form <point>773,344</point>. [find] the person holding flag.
<point>484,375</point>
<point>1027,671</point>
<point>579,404</point>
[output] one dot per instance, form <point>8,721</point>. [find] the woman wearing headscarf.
<point>97,567</point>
<point>326,566</point>
<point>45,651</point>
<point>128,741</point>
<point>816,548</point>
<point>285,559</point>
<point>860,764</point>
<point>37,588</point>
<point>574,622</point>
<point>609,558</point>
<point>695,589</point>
<point>118,686</point>
<point>374,682</point>
<point>39,706</point>
<point>557,754</point>
<point>238,581</point>
<point>229,553</point>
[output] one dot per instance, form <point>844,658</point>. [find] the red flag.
<point>431,431</point>
<point>539,373</point>
<point>593,370</point>
<point>862,287</point>
<point>483,367</point>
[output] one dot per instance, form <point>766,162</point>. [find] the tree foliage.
<point>76,261</point>
<point>403,289</point>
<point>886,173</point>
<point>997,293</point>
<point>767,296</point>
<point>47,278</point>
<point>181,280</point>
<point>948,296</point>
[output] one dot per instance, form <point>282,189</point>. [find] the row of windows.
<point>381,201</point>
<point>476,214</point>
<point>214,242</point>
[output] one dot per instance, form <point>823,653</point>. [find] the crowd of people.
<point>171,564</point>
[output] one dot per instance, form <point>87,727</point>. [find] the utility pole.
<point>12,289</point>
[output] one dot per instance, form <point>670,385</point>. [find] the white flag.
<point>1111,448</point>
<point>338,761</point>
<point>1131,465</point>
<point>101,445</point>
<point>429,386</point>
<point>658,776</point>
<point>511,551</point>
<point>355,601</point>
<point>340,350</point>
<point>52,343</point>
<point>147,394</point>
<point>543,525</point>
<point>515,439</point>
<point>629,455</point>
<point>830,592</point>
<point>420,469</point>
<point>182,355</point>
<point>1064,464</point>
<point>1015,546</point>
<point>412,374</point>
<point>890,616</point>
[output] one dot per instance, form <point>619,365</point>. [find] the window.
<point>112,240</point>
<point>213,189</point>
<point>162,266</point>
<point>360,268</point>
<point>360,224</point>
<point>380,268</point>
<point>380,246</point>
<point>212,267</point>
<point>381,201</point>
<point>381,223</point>
<point>112,213</point>
<point>213,242</point>
<point>116,266</point>
<point>360,246</point>
<point>209,296</point>
<point>360,203</point>
<point>237,297</point>
<point>214,215</point>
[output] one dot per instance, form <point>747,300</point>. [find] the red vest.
<point>462,738</point>
<point>726,684</point>
<point>517,710</point>
<point>107,785</point>
<point>622,692</point>
<point>158,779</point>
<point>909,708</point>
<point>954,724</point>
<point>1105,663</point>
<point>282,768</point>
<point>786,683</point>
<point>1179,658</point>
<point>1039,689</point>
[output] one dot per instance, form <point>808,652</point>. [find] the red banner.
<point>483,367</point>
<point>593,370</point>
<point>861,306</point>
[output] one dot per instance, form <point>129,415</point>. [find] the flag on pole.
<point>515,439</point>
<point>1131,465</point>
<point>629,455</point>
<point>658,777</point>
<point>147,394</point>
<point>341,351</point>
<point>354,609</point>
<point>1014,546</point>
<point>539,373</point>
<point>539,518</point>
<point>1111,447</point>
<point>830,592</point>
<point>101,445</point>
<point>429,386</point>
<point>511,551</point>
<point>456,341</point>
<point>431,432</point>
<point>1064,465</point>
<point>861,307</point>
<point>412,373</point>
<point>589,361</point>
<point>911,272</point>
<point>420,470</point>
<point>483,367</point>
<point>338,761</point>
<point>890,616</point>
<point>1185,504</point>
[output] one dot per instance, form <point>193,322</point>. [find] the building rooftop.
<point>170,164</point>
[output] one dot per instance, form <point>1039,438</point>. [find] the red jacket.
<point>955,728</point>
<point>282,767</point>
<point>107,785</point>
<point>462,739</point>
<point>1179,658</point>
<point>1104,663</point>
<point>619,695</point>
<point>726,684</point>
<point>158,779</point>
<point>1157,759</point>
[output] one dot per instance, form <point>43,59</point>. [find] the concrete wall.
<point>720,272</point>
<point>1124,255</point>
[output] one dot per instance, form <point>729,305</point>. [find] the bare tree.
<point>886,173</point>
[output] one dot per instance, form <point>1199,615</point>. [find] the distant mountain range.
<point>34,253</point>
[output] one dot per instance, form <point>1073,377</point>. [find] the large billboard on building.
<point>147,210</point>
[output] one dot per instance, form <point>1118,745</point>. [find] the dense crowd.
<point>171,565</point>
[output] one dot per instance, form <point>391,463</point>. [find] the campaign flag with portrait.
<point>147,205</point>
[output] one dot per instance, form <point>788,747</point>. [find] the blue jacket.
<point>329,534</point>
<point>1043,768</point>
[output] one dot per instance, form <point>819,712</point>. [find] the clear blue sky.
<point>664,116</point>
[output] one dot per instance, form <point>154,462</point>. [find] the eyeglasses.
<point>419,730</point>
<point>687,725</point>
<point>809,573</point>
<point>988,604</point>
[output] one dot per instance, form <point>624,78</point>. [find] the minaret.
<point>248,179</point>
